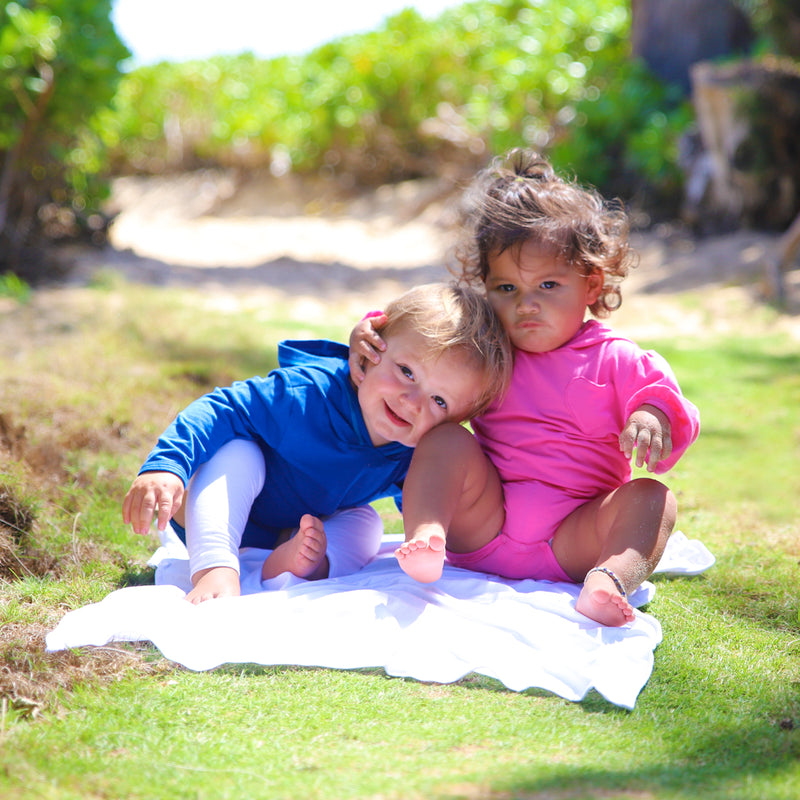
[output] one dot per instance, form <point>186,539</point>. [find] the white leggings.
<point>218,502</point>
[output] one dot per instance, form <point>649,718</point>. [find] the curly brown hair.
<point>519,198</point>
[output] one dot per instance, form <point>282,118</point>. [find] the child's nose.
<point>528,302</point>
<point>413,398</point>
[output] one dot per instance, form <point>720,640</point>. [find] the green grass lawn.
<point>90,377</point>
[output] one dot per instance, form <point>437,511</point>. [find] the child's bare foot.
<point>422,558</point>
<point>303,555</point>
<point>214,582</point>
<point>601,601</point>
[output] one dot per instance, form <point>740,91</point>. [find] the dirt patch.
<point>31,678</point>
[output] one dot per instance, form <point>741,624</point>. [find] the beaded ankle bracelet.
<point>607,571</point>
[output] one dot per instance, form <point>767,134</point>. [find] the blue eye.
<point>440,401</point>
<point>549,284</point>
<point>407,372</point>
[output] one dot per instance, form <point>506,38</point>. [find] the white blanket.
<point>523,633</point>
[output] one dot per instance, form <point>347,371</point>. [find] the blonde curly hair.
<point>519,198</point>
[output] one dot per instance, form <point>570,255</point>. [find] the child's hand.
<point>152,492</point>
<point>365,343</point>
<point>649,433</point>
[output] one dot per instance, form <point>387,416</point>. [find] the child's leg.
<point>354,538</point>
<point>452,496</point>
<point>218,504</point>
<point>624,533</point>
<point>342,545</point>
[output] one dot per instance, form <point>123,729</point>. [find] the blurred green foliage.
<point>777,22</point>
<point>415,94</point>
<point>58,66</point>
<point>414,97</point>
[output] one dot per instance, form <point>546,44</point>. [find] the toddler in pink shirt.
<point>544,489</point>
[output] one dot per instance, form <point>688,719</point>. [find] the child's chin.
<point>408,439</point>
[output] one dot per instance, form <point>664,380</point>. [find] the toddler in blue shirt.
<point>304,446</point>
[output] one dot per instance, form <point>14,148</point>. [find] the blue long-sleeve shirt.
<point>306,419</point>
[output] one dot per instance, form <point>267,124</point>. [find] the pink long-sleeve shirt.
<point>554,437</point>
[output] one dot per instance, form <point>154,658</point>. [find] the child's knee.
<point>656,496</point>
<point>452,438</point>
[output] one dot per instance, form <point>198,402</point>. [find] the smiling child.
<point>303,449</point>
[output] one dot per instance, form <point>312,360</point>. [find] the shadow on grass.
<point>722,761</point>
<point>710,744</point>
<point>206,367</point>
<point>137,576</point>
<point>732,732</point>
<point>592,703</point>
<point>758,587</point>
<point>325,280</point>
<point>202,365</point>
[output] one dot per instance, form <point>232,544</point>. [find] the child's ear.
<point>594,285</point>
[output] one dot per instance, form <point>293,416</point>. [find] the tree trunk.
<point>748,116</point>
<point>672,35</point>
<point>778,262</point>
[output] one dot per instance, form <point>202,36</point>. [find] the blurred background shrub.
<point>417,97</point>
<point>59,65</point>
<point>412,98</point>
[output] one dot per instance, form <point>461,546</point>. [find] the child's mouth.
<point>395,418</point>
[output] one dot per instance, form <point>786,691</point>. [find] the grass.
<point>89,377</point>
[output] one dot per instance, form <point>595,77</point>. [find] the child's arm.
<point>645,381</point>
<point>151,493</point>
<point>648,433</point>
<point>365,343</point>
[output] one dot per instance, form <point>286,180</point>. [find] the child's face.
<point>540,300</point>
<point>409,393</point>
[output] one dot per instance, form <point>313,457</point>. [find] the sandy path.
<point>265,240</point>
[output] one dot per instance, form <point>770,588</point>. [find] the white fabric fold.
<point>522,633</point>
